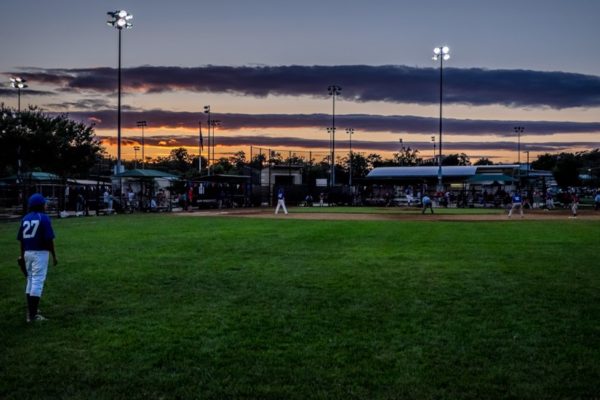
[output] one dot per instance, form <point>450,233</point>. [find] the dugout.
<point>146,185</point>
<point>222,191</point>
<point>464,184</point>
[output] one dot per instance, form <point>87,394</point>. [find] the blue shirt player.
<point>281,201</point>
<point>37,244</point>
<point>517,202</point>
<point>427,203</point>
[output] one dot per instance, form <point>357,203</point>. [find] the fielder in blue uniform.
<point>37,244</point>
<point>517,202</point>
<point>427,203</point>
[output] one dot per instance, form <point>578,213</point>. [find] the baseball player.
<point>427,203</point>
<point>37,243</point>
<point>517,202</point>
<point>280,202</point>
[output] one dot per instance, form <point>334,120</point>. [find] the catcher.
<point>37,243</point>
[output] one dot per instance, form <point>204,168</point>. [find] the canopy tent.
<point>145,173</point>
<point>36,177</point>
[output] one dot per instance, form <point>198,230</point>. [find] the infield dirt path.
<point>539,215</point>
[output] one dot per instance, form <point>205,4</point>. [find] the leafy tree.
<point>374,161</point>
<point>545,162</point>
<point>566,170</point>
<point>179,160</point>
<point>456,159</point>
<point>484,161</point>
<point>45,142</point>
<point>238,160</point>
<point>258,161</point>
<point>407,157</point>
<point>360,165</point>
<point>223,166</point>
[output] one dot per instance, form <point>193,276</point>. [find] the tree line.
<point>38,141</point>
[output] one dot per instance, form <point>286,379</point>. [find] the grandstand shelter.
<point>463,185</point>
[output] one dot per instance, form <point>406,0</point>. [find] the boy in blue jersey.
<point>427,203</point>
<point>37,243</point>
<point>280,201</point>
<point>517,202</point>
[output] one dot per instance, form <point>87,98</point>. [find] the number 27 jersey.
<point>35,231</point>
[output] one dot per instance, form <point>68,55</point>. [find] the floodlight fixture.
<point>442,52</point>
<point>120,19</point>
<point>18,83</point>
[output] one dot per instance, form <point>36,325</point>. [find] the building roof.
<point>490,178</point>
<point>223,178</point>
<point>145,173</point>
<point>421,172</point>
<point>34,176</point>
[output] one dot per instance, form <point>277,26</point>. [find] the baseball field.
<point>202,306</point>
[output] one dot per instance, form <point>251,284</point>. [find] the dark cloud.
<point>360,83</point>
<point>425,147</point>
<point>107,119</point>
<point>87,104</point>
<point>11,92</point>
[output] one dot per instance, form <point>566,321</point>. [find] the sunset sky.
<point>264,67</point>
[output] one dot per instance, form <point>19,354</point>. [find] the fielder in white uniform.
<point>280,201</point>
<point>37,243</point>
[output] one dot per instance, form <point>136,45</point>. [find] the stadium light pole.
<point>401,155</point>
<point>214,123</point>
<point>207,111</point>
<point>350,132</point>
<point>135,150</point>
<point>200,145</point>
<point>433,141</point>
<point>330,130</point>
<point>18,83</point>
<point>334,91</point>
<point>142,124</point>
<point>441,53</point>
<point>518,131</point>
<point>120,19</point>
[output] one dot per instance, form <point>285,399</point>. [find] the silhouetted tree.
<point>46,143</point>
<point>484,161</point>
<point>456,159</point>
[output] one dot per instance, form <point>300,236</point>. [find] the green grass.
<point>156,306</point>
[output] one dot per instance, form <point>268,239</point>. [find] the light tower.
<point>120,19</point>
<point>350,132</point>
<point>334,91</point>
<point>442,54</point>
<point>142,124</point>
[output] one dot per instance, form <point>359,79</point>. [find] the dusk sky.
<point>264,67</point>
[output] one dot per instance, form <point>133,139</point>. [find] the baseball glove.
<point>21,263</point>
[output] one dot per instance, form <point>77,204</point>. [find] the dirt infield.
<point>535,215</point>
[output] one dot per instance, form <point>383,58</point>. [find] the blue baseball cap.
<point>36,199</point>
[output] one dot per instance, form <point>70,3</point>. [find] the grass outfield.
<point>152,306</point>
